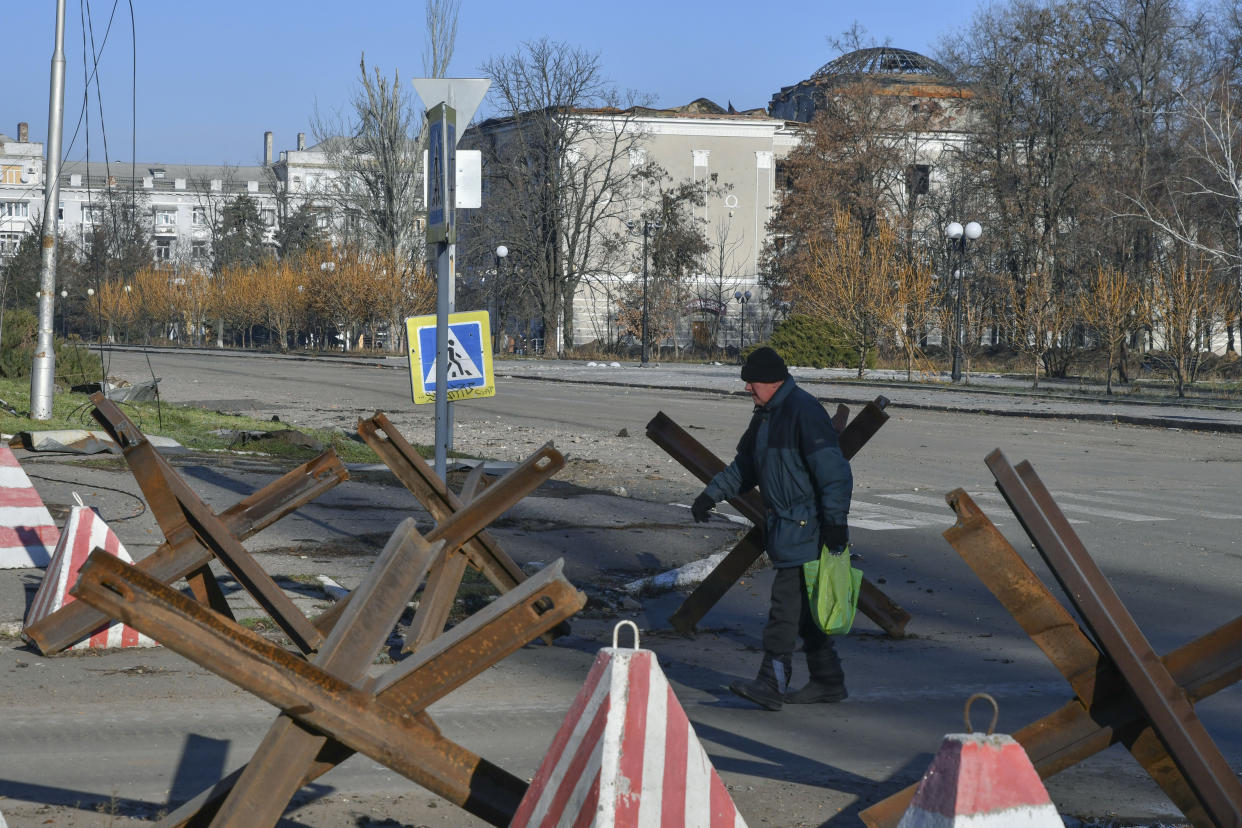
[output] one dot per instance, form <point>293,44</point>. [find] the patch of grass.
<point>191,427</point>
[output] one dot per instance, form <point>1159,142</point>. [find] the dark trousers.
<point>789,618</point>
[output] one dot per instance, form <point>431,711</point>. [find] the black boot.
<point>768,689</point>
<point>827,682</point>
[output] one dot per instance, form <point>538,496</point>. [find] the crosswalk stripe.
<point>1087,510</point>
<point>881,511</point>
<point>1108,513</point>
<point>934,502</point>
<point>1163,500</point>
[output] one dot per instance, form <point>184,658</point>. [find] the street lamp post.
<point>501,253</point>
<point>958,236</point>
<point>648,227</point>
<point>741,298</point>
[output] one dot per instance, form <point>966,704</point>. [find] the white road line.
<point>1164,504</point>
<point>935,501</point>
<point>1107,513</point>
<point>882,516</point>
<point>926,500</point>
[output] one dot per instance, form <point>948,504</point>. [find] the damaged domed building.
<point>908,77</point>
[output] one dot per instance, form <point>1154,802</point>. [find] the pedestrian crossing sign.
<point>468,352</point>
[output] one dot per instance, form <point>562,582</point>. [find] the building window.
<point>92,215</point>
<point>165,216</point>
<point>163,250</point>
<point>784,176</point>
<point>14,209</point>
<point>10,174</point>
<point>269,216</point>
<point>198,251</point>
<point>918,179</point>
<point>9,242</point>
<point>199,216</point>
<point>322,220</point>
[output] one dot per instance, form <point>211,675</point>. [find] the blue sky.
<point>213,76</point>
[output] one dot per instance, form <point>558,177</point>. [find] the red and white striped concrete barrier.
<point>27,533</point>
<point>84,532</point>
<point>981,780</point>
<point>626,756</point>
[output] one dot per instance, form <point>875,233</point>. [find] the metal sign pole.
<point>447,99</point>
<point>444,169</point>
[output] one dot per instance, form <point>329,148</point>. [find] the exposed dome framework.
<point>884,69</point>
<point>882,60</point>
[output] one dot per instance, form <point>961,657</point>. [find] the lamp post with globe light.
<point>501,253</point>
<point>958,236</point>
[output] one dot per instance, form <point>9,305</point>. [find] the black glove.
<point>835,536</point>
<point>702,505</point>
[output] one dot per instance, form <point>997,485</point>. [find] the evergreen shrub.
<point>74,363</point>
<point>813,343</point>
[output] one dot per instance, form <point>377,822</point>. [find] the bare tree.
<point>722,274</point>
<point>1114,307</point>
<point>441,18</point>
<point>375,186</point>
<point>849,280</point>
<point>560,177</point>
<point>1038,141</point>
<point>1201,204</point>
<point>1039,317</point>
<point>1184,297</point>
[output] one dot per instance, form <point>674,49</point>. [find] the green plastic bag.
<point>832,585</point>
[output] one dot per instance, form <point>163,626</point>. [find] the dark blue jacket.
<point>790,452</point>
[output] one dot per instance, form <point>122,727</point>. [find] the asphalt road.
<point>1159,509</point>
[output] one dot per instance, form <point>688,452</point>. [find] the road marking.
<point>996,501</point>
<point>1060,497</point>
<point>1164,504</point>
<point>882,517</point>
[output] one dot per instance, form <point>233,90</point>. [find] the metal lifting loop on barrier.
<point>616,632</point>
<point>995,712</point>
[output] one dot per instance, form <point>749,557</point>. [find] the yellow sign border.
<point>418,391</point>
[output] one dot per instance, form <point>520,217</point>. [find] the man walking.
<point>790,451</point>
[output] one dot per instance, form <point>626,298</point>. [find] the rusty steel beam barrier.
<point>699,461</point>
<point>173,561</point>
<point>1103,713</point>
<point>385,719</point>
<point>468,521</point>
<point>181,513</point>
<point>183,516</point>
<point>1166,707</point>
<point>274,773</point>
<point>412,470</point>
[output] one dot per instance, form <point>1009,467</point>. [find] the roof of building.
<point>699,108</point>
<point>164,177</point>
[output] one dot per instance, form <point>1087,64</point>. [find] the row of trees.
<point>313,299</point>
<point>1101,153</point>
<point>875,292</point>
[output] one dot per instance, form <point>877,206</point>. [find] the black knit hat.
<point>764,365</point>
